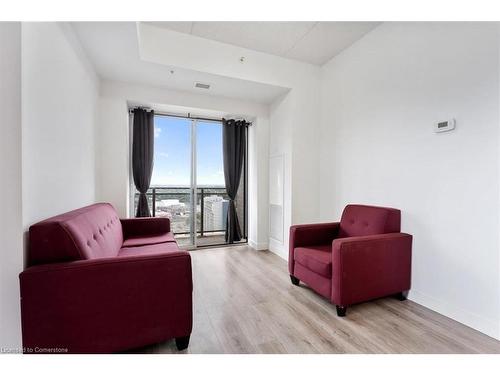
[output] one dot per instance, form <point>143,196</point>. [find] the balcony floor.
<point>208,239</point>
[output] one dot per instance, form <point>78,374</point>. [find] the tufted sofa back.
<point>86,233</point>
<point>360,220</point>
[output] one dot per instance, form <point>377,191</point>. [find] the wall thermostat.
<point>444,126</point>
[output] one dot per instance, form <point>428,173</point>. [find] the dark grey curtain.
<point>142,156</point>
<point>233,144</point>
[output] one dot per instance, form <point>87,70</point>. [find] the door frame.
<point>193,188</point>
<point>193,180</point>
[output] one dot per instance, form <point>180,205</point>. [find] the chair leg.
<point>341,310</point>
<point>182,342</point>
<point>295,281</point>
<point>402,295</point>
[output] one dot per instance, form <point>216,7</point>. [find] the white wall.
<point>294,125</point>
<point>59,96</point>
<point>258,192</point>
<point>305,156</point>
<point>10,187</point>
<point>112,154</point>
<point>380,99</point>
<point>48,94</point>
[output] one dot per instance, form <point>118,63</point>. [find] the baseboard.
<point>258,246</point>
<point>277,248</point>
<point>487,326</point>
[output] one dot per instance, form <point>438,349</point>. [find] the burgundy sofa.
<point>98,284</point>
<point>360,258</point>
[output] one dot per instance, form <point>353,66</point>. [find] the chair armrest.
<point>108,304</point>
<point>145,226</point>
<point>369,267</point>
<point>310,234</point>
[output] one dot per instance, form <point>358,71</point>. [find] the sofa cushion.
<point>156,249</point>
<point>360,220</point>
<point>149,240</point>
<point>315,258</point>
<point>97,232</point>
<point>86,233</point>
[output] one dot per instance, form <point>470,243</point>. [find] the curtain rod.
<point>184,116</point>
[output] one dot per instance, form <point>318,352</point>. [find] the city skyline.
<point>215,213</point>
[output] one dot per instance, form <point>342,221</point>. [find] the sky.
<point>172,157</point>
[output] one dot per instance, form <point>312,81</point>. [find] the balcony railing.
<point>210,208</point>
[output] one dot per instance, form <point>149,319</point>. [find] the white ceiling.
<point>113,49</point>
<point>311,42</point>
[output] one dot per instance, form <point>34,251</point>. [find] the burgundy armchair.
<point>98,284</point>
<point>360,258</point>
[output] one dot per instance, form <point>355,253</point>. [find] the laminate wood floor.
<point>244,302</point>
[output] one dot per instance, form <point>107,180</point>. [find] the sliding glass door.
<point>171,189</point>
<point>212,198</point>
<point>188,185</point>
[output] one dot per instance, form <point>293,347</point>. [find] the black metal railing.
<point>175,202</point>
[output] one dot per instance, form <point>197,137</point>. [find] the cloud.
<point>163,154</point>
<point>157,132</point>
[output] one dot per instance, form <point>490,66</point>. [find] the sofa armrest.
<point>369,267</point>
<point>108,304</point>
<point>310,234</point>
<point>145,226</point>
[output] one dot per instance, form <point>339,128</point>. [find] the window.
<point>187,184</point>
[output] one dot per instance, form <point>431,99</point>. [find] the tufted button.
<point>94,237</point>
<point>365,223</point>
<point>100,232</point>
<point>88,243</point>
<point>351,221</point>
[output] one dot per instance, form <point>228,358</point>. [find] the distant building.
<point>215,213</point>
<point>173,206</point>
<point>171,202</point>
